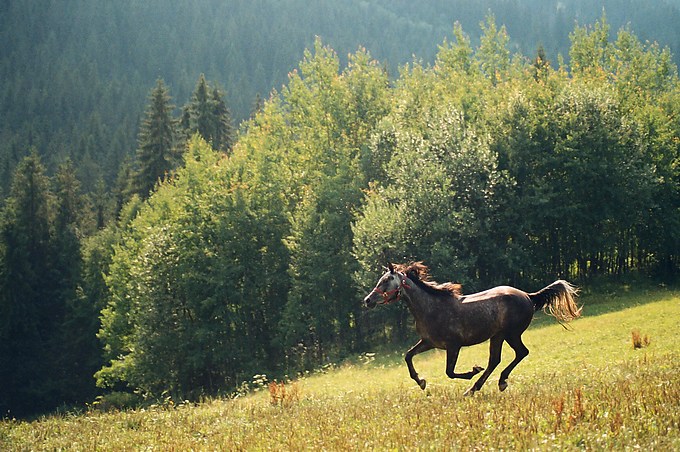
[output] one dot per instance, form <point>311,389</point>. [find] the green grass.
<point>581,389</point>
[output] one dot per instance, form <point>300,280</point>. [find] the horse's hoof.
<point>422,384</point>
<point>477,369</point>
<point>470,392</point>
<point>502,385</point>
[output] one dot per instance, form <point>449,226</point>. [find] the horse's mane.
<point>419,274</point>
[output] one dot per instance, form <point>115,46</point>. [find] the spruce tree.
<point>29,311</point>
<point>156,151</point>
<point>73,344</point>
<point>223,130</point>
<point>208,115</point>
<point>200,110</point>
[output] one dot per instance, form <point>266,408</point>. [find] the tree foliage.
<point>492,170</point>
<point>250,254</point>
<point>75,73</point>
<point>156,152</point>
<point>186,314</point>
<point>40,262</point>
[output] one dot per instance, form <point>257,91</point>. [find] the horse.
<point>448,320</point>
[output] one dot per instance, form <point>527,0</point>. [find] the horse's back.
<point>500,293</point>
<point>505,307</point>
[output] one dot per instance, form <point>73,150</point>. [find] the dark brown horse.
<point>448,320</point>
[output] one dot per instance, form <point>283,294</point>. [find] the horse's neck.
<point>420,303</point>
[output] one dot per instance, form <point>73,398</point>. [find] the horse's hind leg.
<point>422,346</point>
<point>495,346</point>
<point>521,352</point>
<point>451,358</point>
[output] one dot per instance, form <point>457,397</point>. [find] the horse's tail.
<point>558,300</point>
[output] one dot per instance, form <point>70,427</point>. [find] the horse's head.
<point>387,289</point>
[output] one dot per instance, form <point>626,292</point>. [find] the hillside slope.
<point>586,388</point>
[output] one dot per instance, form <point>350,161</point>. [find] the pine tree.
<point>223,130</point>
<point>208,115</point>
<point>73,344</point>
<point>156,151</point>
<point>29,311</point>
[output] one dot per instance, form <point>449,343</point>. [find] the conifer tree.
<point>29,311</point>
<point>540,65</point>
<point>73,342</point>
<point>199,110</point>
<point>156,151</point>
<point>223,130</point>
<point>121,191</point>
<point>208,115</point>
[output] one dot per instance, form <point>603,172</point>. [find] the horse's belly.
<point>443,342</point>
<point>443,338</point>
<point>474,339</point>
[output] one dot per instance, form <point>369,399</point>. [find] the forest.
<point>75,73</point>
<point>163,250</point>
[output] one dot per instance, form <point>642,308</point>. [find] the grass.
<point>588,388</point>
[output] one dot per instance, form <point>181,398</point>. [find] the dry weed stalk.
<point>565,418</point>
<point>558,409</point>
<point>282,395</point>
<point>640,341</point>
<point>578,411</point>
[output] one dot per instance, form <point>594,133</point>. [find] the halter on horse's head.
<point>388,289</point>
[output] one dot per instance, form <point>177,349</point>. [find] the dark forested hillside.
<point>75,73</point>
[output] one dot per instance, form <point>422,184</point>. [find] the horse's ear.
<point>390,267</point>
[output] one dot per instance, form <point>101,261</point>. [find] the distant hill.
<point>75,73</point>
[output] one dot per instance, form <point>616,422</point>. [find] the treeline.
<point>490,166</point>
<point>54,247</point>
<point>75,72</point>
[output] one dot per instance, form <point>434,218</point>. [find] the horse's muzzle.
<point>369,302</point>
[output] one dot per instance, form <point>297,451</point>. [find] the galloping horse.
<point>447,320</point>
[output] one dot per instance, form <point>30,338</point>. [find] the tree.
<point>590,50</point>
<point>76,347</point>
<point>493,54</point>
<point>223,133</point>
<point>192,281</point>
<point>258,105</point>
<point>540,65</point>
<point>332,115</point>
<point>457,55</point>
<point>31,309</point>
<point>443,187</point>
<point>156,152</point>
<point>208,115</point>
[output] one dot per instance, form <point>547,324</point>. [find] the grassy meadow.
<point>587,388</point>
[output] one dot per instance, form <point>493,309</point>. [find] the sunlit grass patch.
<point>581,389</point>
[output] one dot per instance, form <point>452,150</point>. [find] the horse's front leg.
<point>451,358</point>
<point>423,345</point>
